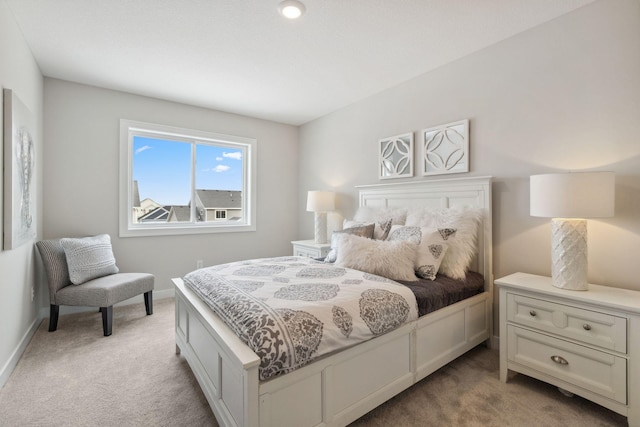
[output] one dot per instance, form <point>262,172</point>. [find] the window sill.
<point>185,229</point>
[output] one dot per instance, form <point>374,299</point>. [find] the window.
<point>182,181</point>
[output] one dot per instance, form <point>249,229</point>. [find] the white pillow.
<point>393,260</point>
<point>431,248</point>
<point>458,227</point>
<point>89,258</point>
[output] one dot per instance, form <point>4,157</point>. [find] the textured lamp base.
<point>320,235</point>
<point>569,254</point>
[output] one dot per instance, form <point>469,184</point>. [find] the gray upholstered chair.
<point>102,292</point>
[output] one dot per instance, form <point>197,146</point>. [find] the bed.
<point>341,387</point>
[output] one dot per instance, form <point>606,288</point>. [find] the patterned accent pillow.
<point>393,260</point>
<point>360,230</point>
<point>89,258</point>
<point>431,248</point>
<point>380,231</point>
<point>458,227</point>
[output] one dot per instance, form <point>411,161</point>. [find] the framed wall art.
<point>19,167</point>
<point>446,149</point>
<point>395,158</point>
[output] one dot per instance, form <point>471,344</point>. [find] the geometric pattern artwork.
<point>396,156</point>
<point>446,149</point>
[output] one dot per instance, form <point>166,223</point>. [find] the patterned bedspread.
<point>291,310</point>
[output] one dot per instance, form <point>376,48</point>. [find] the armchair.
<point>102,292</point>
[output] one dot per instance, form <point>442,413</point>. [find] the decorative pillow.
<point>89,258</point>
<point>458,227</point>
<point>380,232</point>
<point>393,260</point>
<point>431,248</point>
<point>365,230</point>
<point>377,214</point>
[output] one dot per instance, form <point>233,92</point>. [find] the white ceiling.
<point>241,56</point>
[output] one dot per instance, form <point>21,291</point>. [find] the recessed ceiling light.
<point>291,9</point>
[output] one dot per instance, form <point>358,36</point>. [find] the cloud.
<point>221,168</point>
<point>218,159</point>
<point>237,155</point>
<point>143,148</point>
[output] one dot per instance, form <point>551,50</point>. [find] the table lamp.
<point>568,198</point>
<point>320,202</point>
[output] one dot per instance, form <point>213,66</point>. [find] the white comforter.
<point>291,310</point>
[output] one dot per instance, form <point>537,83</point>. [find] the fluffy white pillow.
<point>393,260</point>
<point>365,230</point>
<point>458,227</point>
<point>89,258</point>
<point>431,248</point>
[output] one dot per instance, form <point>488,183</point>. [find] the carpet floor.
<point>77,377</point>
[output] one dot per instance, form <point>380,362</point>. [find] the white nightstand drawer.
<point>309,248</point>
<point>310,253</point>
<point>593,370</point>
<point>591,327</point>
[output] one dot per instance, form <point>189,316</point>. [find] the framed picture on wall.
<point>395,156</point>
<point>19,165</point>
<point>446,149</point>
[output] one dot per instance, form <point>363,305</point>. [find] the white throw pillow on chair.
<point>89,258</point>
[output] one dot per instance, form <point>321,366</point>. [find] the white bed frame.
<point>338,389</point>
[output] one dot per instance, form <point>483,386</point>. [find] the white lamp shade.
<point>573,195</point>
<point>320,201</point>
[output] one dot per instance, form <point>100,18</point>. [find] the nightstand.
<point>586,342</point>
<point>310,249</point>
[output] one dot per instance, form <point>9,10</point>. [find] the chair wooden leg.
<point>107,319</point>
<point>53,317</point>
<point>148,302</point>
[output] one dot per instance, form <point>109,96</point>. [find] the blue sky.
<point>163,169</point>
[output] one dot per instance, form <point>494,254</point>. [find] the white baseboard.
<point>8,367</point>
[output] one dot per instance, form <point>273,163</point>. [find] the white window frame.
<point>130,128</point>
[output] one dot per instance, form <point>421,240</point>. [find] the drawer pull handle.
<point>586,327</point>
<point>533,313</point>
<point>559,360</point>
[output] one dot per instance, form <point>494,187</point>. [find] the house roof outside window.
<point>220,199</point>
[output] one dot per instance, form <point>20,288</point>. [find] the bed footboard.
<point>332,391</point>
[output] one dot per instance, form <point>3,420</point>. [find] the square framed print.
<point>446,149</point>
<point>19,167</point>
<point>395,156</point>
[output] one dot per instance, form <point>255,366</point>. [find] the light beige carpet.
<point>77,377</point>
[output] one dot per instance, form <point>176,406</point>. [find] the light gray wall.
<point>81,179</point>
<point>18,313</point>
<point>562,96</point>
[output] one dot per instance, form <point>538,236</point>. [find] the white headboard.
<point>442,193</point>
